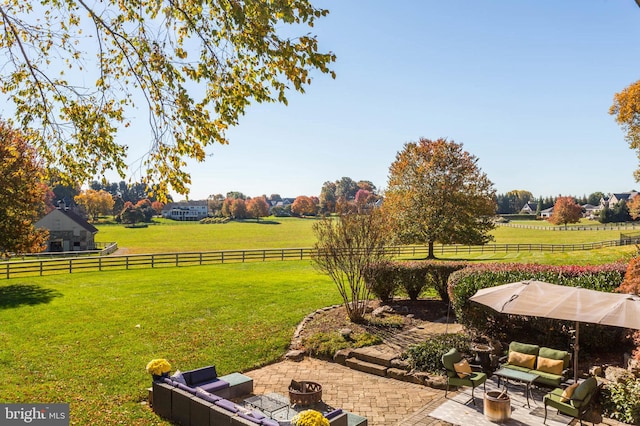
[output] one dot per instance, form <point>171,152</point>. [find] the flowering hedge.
<point>555,333</point>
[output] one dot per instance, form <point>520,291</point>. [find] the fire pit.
<point>304,392</point>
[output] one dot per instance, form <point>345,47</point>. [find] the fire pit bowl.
<point>304,392</point>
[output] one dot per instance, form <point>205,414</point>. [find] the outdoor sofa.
<point>204,399</point>
<point>551,365</point>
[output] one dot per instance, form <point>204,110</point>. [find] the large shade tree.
<point>565,211</point>
<point>95,203</point>
<point>438,193</point>
<point>22,194</point>
<point>191,67</point>
<point>626,109</point>
<point>304,206</point>
<point>258,207</point>
<point>328,197</point>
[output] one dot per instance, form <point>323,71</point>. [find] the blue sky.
<point>525,85</point>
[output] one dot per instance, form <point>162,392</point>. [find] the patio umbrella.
<point>540,299</point>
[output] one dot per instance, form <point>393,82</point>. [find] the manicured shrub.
<point>427,356</point>
<point>385,278</point>
<point>412,277</point>
<point>381,279</point>
<point>439,272</point>
<point>214,220</point>
<point>555,333</point>
<point>621,401</point>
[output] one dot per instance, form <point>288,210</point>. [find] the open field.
<point>295,233</point>
<point>85,338</point>
<point>170,236</point>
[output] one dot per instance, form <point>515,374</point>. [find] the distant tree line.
<point>334,196</point>
<point>126,202</point>
<point>344,191</point>
<point>513,201</point>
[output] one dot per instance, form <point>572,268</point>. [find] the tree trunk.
<point>431,255</point>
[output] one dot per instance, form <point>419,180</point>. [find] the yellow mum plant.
<point>309,418</point>
<point>158,367</point>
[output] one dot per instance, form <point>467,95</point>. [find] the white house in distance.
<point>613,199</point>
<point>67,231</point>
<point>529,208</point>
<point>546,213</point>
<point>186,210</point>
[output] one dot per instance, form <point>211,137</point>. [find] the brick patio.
<point>384,401</point>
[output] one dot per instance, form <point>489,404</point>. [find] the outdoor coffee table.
<point>268,404</point>
<point>517,376</point>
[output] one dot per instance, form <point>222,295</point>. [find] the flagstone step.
<point>367,367</point>
<point>380,355</point>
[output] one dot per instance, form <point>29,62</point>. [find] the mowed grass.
<point>170,236</point>
<point>553,235</point>
<point>85,339</point>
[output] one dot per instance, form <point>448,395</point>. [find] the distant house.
<point>591,211</point>
<point>529,208</point>
<point>613,199</point>
<point>67,231</point>
<point>546,213</point>
<point>280,204</point>
<point>284,202</point>
<point>186,210</point>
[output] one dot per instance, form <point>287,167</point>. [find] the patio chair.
<point>577,404</point>
<point>473,378</point>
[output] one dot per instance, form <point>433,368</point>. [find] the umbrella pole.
<point>576,349</point>
<point>446,328</point>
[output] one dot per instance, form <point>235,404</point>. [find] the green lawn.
<point>85,338</point>
<point>510,235</point>
<point>171,236</point>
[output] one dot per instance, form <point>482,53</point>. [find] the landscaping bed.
<point>407,314</point>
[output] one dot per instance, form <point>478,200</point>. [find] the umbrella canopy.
<point>540,299</point>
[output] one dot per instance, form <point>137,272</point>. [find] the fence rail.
<point>600,227</point>
<point>14,269</point>
<point>100,249</point>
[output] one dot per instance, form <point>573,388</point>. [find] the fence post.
<point>201,258</point>
<point>177,260</point>
<point>221,257</point>
<point>70,266</point>
<point>100,264</point>
<point>41,265</point>
<point>126,263</point>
